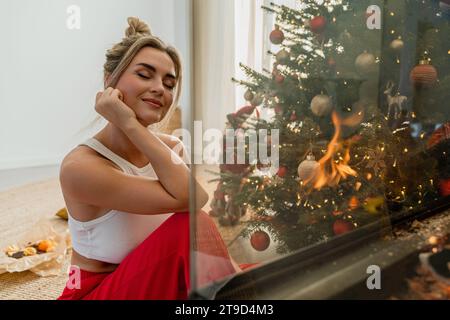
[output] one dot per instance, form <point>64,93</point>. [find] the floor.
<point>17,177</point>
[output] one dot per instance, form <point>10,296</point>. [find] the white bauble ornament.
<point>307,168</point>
<point>321,105</point>
<point>397,44</point>
<point>365,63</point>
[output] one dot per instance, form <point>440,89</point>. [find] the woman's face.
<point>148,85</point>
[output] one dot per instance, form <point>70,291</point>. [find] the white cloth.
<point>111,237</point>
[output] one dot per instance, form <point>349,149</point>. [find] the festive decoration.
<point>248,95</point>
<point>439,135</point>
<point>345,37</point>
<point>321,105</point>
<point>277,36</point>
<point>236,119</point>
<point>397,45</point>
<point>260,240</point>
<point>257,100</point>
<point>444,187</point>
<point>445,6</point>
<point>282,171</point>
<point>293,116</point>
<point>365,63</point>
<point>396,103</point>
<point>283,56</point>
<point>374,204</point>
<point>307,168</point>
<point>353,203</point>
<point>279,78</point>
<point>341,227</point>
<point>367,129</point>
<point>318,24</point>
<point>331,63</point>
<point>278,109</point>
<point>424,74</point>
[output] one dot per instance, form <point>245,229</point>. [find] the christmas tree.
<point>358,89</point>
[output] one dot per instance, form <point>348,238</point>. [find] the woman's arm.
<point>176,145</point>
<point>173,175</point>
<point>93,181</point>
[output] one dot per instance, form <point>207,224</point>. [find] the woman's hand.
<point>110,105</point>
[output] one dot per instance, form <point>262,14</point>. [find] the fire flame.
<point>330,170</point>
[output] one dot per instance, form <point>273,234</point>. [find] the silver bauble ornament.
<point>321,105</point>
<point>307,168</point>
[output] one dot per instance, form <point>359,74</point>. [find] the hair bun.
<point>137,27</point>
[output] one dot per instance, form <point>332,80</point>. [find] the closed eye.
<point>170,87</point>
<point>142,76</point>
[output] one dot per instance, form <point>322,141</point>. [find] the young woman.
<point>126,189</point>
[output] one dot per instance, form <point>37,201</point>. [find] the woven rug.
<point>20,209</point>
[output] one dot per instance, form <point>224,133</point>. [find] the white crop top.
<point>111,237</point>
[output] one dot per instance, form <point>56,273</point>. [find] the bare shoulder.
<point>80,164</point>
<point>83,156</point>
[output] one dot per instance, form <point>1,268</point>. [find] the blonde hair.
<point>119,57</point>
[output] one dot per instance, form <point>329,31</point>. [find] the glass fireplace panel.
<point>359,138</point>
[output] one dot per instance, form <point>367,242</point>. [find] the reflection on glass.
<point>360,93</point>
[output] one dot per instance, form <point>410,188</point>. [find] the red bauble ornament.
<point>245,111</point>
<point>282,172</point>
<point>331,63</point>
<point>260,240</point>
<point>444,187</point>
<point>293,116</point>
<point>424,74</point>
<point>318,24</point>
<point>341,227</point>
<point>279,78</point>
<point>441,134</point>
<point>276,36</point>
<point>278,109</point>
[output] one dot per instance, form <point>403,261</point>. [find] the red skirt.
<point>159,267</point>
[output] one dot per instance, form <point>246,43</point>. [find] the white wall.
<point>49,75</point>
